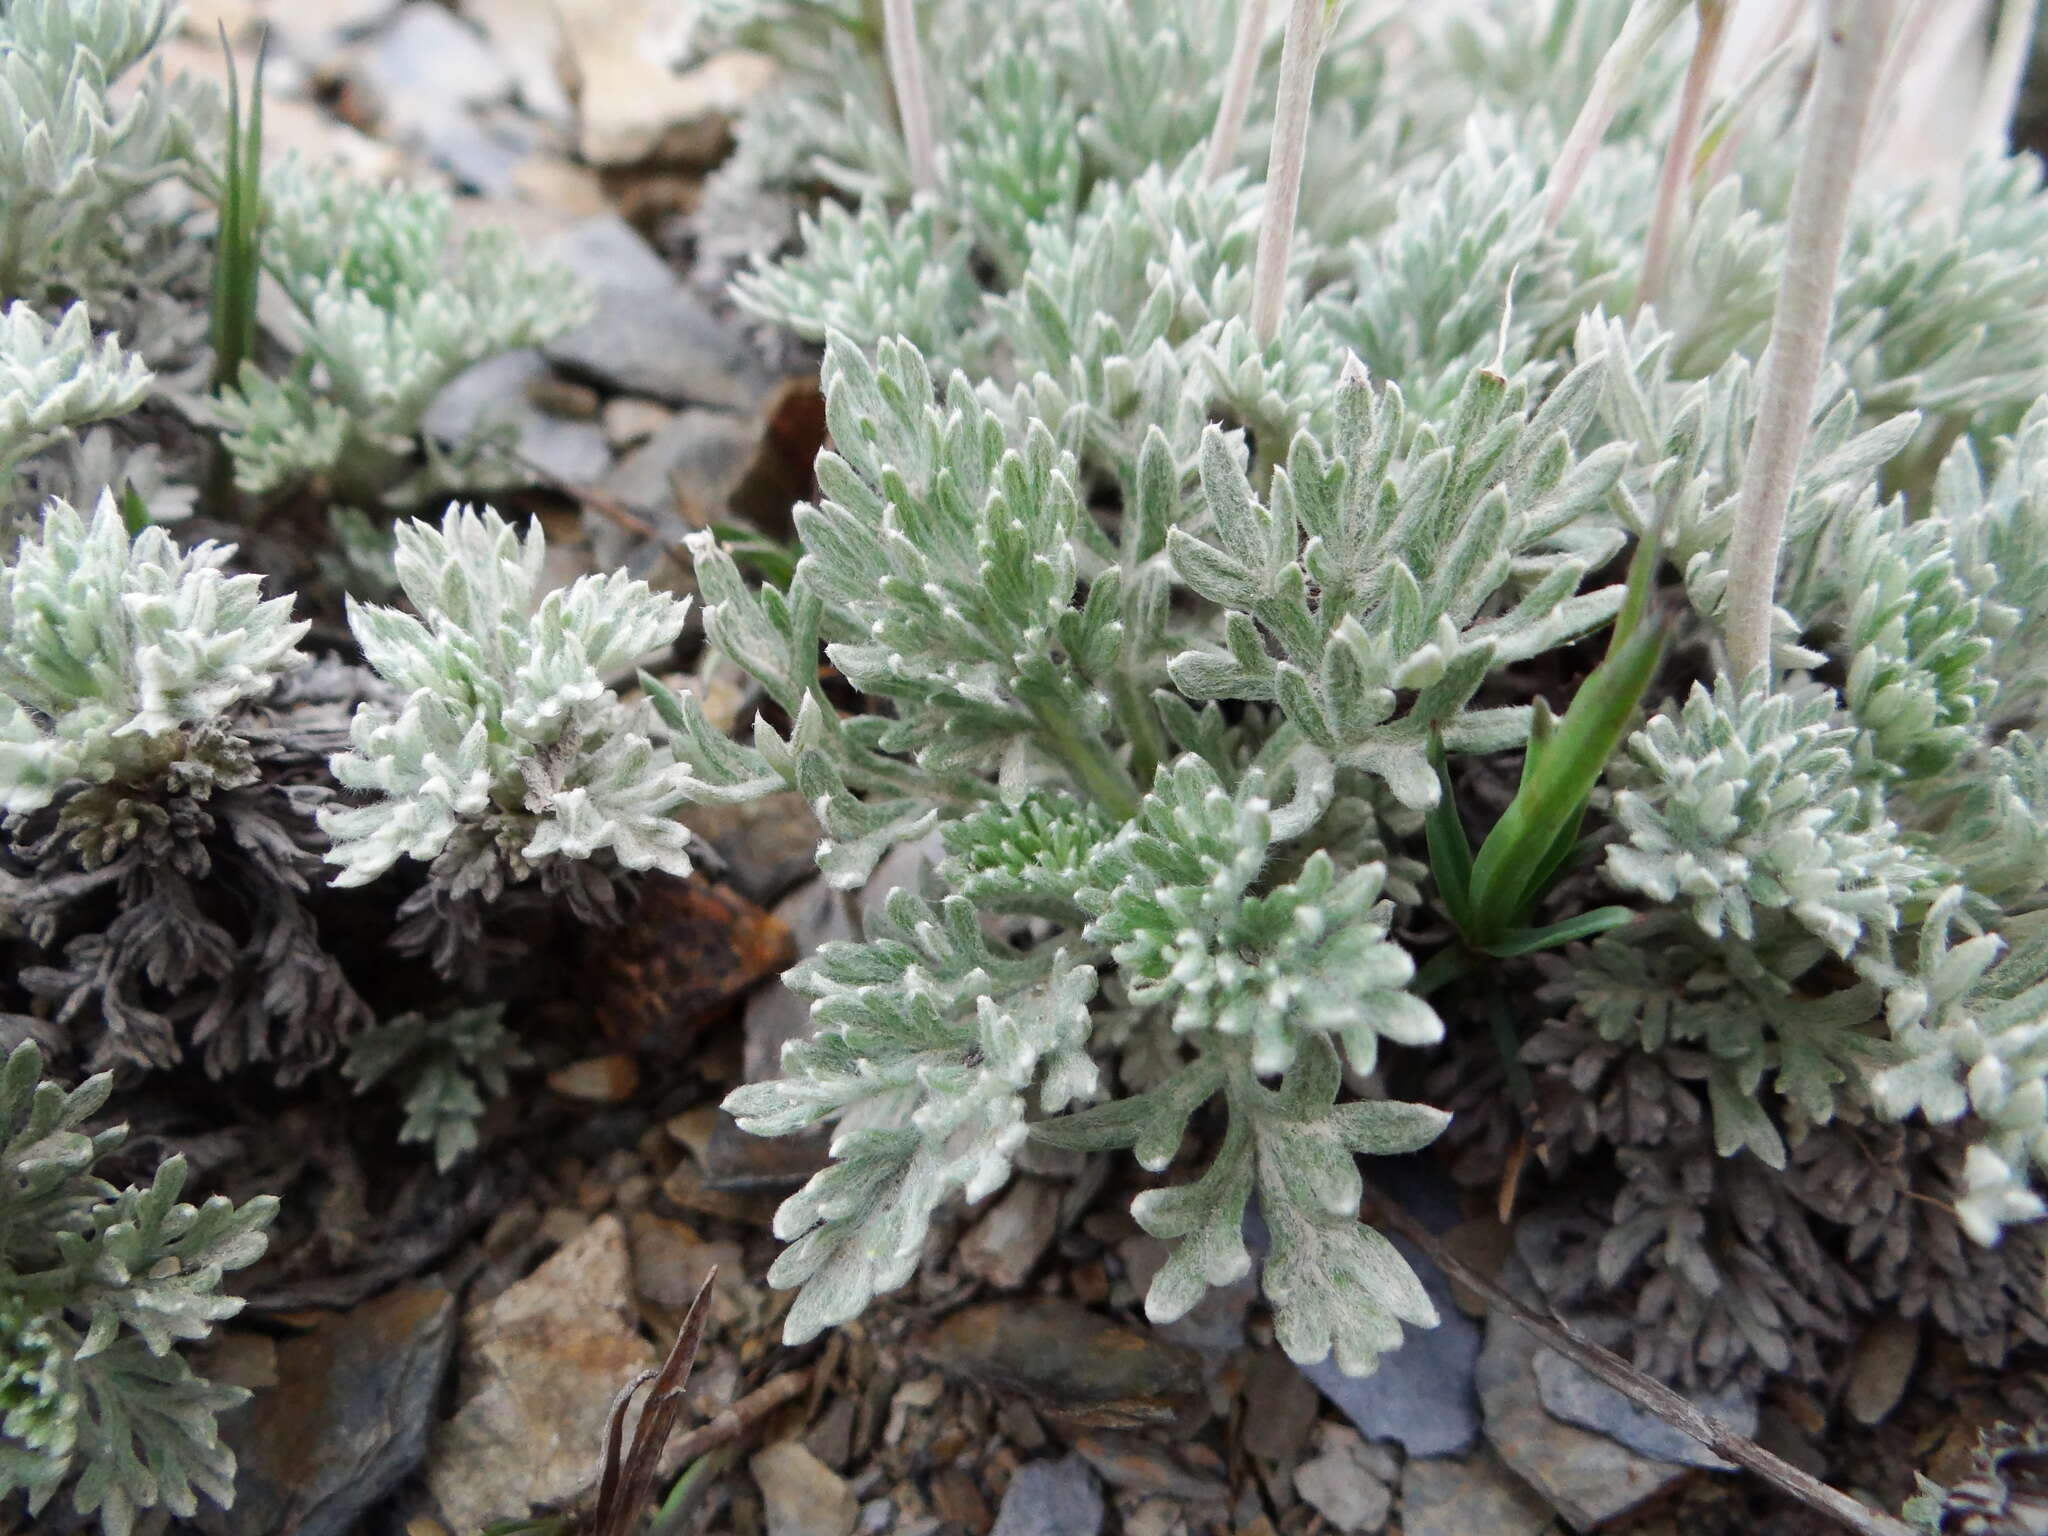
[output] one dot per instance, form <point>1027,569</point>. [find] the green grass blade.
<point>238,248</point>
<point>1504,874</point>
<point>1450,852</point>
<point>1552,864</point>
<point>1530,843</point>
<point>1542,730</point>
<point>1526,941</point>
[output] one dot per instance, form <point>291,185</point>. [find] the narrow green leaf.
<point>1450,853</point>
<point>1526,941</point>
<point>1552,864</point>
<point>1504,874</point>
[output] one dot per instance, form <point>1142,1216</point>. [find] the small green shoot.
<point>1489,896</point>
<point>238,253</point>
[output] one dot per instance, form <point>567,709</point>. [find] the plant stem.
<point>1922,49</point>
<point>1237,89</point>
<point>684,1497</point>
<point>2011,47</point>
<point>913,105</point>
<point>1308,31</point>
<point>741,1417</point>
<point>1134,712</point>
<point>1646,23</point>
<point>1441,969</point>
<point>1509,1045</point>
<point>1676,175</point>
<point>1776,48</point>
<point>1093,767</point>
<point>1852,54</point>
<point>1644,1391</point>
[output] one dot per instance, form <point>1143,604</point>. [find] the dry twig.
<point>1644,1391</point>
<point>743,1415</point>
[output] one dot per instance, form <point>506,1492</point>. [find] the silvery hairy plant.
<point>447,1064</point>
<point>388,305</point>
<point>99,1288</point>
<point>158,844</point>
<point>1177,611</point>
<point>505,755</point>
<point>79,160</point>
<point>57,378</point>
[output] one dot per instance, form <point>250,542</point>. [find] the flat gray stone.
<point>650,335</point>
<point>493,395</point>
<point>1578,1397</point>
<point>1348,1481</point>
<point>346,1420</point>
<point>1281,1407</point>
<point>1473,1496</point>
<point>314,32</point>
<point>1051,1498</point>
<point>423,69</point>
<point>1004,1246</point>
<point>698,455</point>
<point>1587,1477</point>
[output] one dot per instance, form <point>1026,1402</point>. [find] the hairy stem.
<point>1237,89</point>
<point>1676,175</point>
<point>1647,22</point>
<point>1088,761</point>
<point>1851,59</point>
<point>1774,49</point>
<point>1140,722</point>
<point>1644,1391</point>
<point>1308,31</point>
<point>913,104</point>
<point>2011,47</point>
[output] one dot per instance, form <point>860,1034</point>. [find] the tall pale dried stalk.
<point>913,102</point>
<point>2011,47</point>
<point>1676,176</point>
<point>1237,89</point>
<point>1308,33</point>
<point>1647,21</point>
<point>1852,57</point>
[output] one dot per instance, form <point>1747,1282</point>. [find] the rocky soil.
<point>432,1356</point>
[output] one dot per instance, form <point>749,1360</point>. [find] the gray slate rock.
<point>650,335</point>
<point>426,53</point>
<point>481,149</point>
<point>1588,1478</point>
<point>1422,1396</point>
<point>698,454</point>
<point>1551,1244</point>
<point>1051,1498</point>
<point>1578,1397</point>
<point>1348,1482</point>
<point>346,1421</point>
<point>493,394</point>
<point>314,32</point>
<point>1475,1496</point>
<point>694,460</point>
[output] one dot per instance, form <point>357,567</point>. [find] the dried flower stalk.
<point>1852,58</point>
